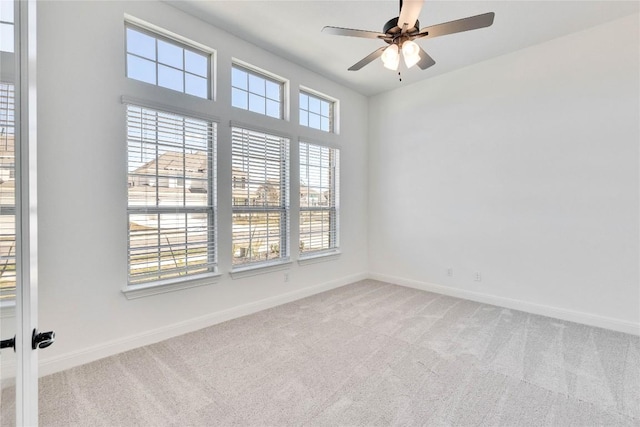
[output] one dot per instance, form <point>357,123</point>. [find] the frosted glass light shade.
<point>391,57</point>
<point>411,53</point>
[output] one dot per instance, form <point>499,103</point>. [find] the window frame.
<point>284,207</point>
<point>283,85</point>
<point>161,285</point>
<point>187,45</point>
<point>333,209</point>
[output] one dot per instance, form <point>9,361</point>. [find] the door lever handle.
<point>42,339</point>
<point>10,343</point>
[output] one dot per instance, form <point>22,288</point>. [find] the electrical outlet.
<point>286,277</point>
<point>450,271</point>
<point>477,277</point>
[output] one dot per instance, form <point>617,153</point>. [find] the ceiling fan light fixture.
<point>400,32</point>
<point>411,53</point>
<point>391,57</point>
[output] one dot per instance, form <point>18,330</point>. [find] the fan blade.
<point>425,60</point>
<point>367,59</point>
<point>458,26</point>
<point>338,31</point>
<point>409,13</point>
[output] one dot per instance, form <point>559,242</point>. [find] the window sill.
<point>254,270</point>
<point>164,286</point>
<point>319,257</point>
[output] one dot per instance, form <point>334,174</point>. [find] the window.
<point>170,166</point>
<point>260,168</point>
<point>7,193</point>
<point>316,112</point>
<point>256,92</point>
<point>319,198</point>
<point>164,62</point>
<point>6,26</point>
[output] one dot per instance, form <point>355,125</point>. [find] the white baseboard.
<point>543,310</point>
<point>90,354</point>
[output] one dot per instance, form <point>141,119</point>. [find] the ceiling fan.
<point>399,33</point>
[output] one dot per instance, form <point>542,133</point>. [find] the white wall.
<point>82,184</point>
<point>524,168</point>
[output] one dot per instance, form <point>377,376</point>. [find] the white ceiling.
<point>292,30</point>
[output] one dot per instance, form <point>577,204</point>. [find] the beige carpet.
<point>365,354</point>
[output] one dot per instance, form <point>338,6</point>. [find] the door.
<point>18,216</point>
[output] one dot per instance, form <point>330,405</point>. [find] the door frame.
<point>26,215</point>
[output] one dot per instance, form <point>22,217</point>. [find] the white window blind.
<point>171,176</point>
<point>7,193</point>
<point>260,168</point>
<point>319,198</point>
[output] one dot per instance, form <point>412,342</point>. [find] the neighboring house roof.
<point>195,165</point>
<point>192,165</point>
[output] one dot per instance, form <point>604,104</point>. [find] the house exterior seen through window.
<point>171,197</point>
<point>167,63</point>
<point>319,198</point>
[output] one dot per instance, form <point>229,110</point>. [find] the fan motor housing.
<point>392,24</point>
